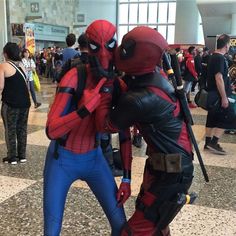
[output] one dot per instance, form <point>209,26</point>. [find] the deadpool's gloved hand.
<point>90,99</point>
<point>124,191</point>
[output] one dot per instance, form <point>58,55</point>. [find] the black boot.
<point>137,140</point>
<point>108,154</point>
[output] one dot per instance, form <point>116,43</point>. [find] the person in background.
<point>56,63</point>
<point>69,52</point>
<point>83,48</point>
<point>43,62</point>
<point>205,59</point>
<point>15,104</point>
<point>219,87</point>
<point>198,67</point>
<point>190,74</point>
<point>30,66</point>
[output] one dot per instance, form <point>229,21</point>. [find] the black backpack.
<point>82,76</point>
<point>69,64</point>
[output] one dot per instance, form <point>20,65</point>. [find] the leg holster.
<point>164,199</point>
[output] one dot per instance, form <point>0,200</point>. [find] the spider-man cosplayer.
<point>75,155</point>
<point>151,104</point>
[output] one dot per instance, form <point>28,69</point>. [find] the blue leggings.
<point>60,173</point>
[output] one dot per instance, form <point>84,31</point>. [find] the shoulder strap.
<point>82,75</point>
<point>21,72</point>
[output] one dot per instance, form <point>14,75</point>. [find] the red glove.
<point>90,99</point>
<point>124,193</point>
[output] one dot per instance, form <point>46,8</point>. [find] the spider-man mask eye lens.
<point>127,49</point>
<point>111,44</point>
<point>94,47</point>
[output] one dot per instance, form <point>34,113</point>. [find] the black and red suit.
<point>150,103</point>
<point>72,154</point>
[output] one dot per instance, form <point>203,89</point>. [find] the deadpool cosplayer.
<point>72,153</point>
<point>151,104</point>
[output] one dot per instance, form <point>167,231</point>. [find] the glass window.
<point>172,12</point>
<point>131,27</point>
<point>123,13</point>
<point>153,26</point>
<point>152,13</point>
<point>122,31</point>
<point>171,34</point>
<point>158,14</point>
<point>142,13</point>
<point>133,13</point>
<point>162,12</point>
<point>162,30</point>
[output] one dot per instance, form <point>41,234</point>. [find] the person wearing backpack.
<point>72,153</point>
<point>190,75</point>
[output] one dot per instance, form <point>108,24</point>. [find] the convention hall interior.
<point>183,23</point>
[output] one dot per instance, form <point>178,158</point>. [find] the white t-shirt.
<point>29,63</point>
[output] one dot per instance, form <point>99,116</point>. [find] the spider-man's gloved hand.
<point>90,99</point>
<point>124,191</point>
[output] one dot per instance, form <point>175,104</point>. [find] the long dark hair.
<point>12,51</point>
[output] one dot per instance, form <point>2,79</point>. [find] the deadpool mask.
<point>140,51</point>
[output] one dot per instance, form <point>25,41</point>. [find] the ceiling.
<point>216,18</point>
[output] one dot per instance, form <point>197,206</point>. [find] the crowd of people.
<point>92,101</point>
<point>198,67</point>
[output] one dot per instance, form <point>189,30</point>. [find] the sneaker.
<point>230,131</point>
<point>192,105</point>
<point>12,161</point>
<point>216,148</point>
<point>5,160</point>
<point>22,160</point>
<point>38,104</point>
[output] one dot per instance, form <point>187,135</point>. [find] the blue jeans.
<point>32,91</point>
<point>60,173</point>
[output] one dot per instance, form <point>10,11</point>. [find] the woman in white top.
<point>30,66</point>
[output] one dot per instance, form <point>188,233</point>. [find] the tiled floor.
<point>214,213</point>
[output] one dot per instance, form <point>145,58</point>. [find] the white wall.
<point>3,26</point>
<point>187,22</point>
<point>98,9</point>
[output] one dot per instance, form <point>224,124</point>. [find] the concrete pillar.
<point>233,25</point>
<point>3,26</point>
<point>187,22</point>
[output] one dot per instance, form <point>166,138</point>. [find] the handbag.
<point>37,85</point>
<point>207,100</point>
<point>201,98</point>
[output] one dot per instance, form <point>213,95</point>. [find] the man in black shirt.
<point>205,60</point>
<point>218,86</point>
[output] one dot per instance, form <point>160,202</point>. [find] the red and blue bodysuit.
<point>77,157</point>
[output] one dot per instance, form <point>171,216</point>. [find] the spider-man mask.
<point>102,44</point>
<point>140,51</point>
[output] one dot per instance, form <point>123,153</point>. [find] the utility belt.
<point>169,163</point>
